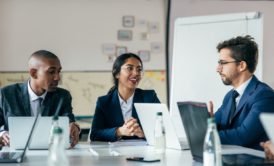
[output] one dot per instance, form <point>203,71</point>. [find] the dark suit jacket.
<point>14,101</point>
<point>246,128</point>
<point>108,113</point>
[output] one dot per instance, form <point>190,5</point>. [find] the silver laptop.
<point>18,157</point>
<point>19,128</point>
<point>147,116</point>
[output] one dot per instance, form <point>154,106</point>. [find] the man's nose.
<point>57,77</point>
<point>218,68</point>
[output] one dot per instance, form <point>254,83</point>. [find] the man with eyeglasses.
<point>24,99</point>
<point>238,117</point>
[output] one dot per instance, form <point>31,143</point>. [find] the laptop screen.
<point>40,135</point>
<point>194,117</point>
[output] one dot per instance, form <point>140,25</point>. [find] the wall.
<point>86,87</point>
<point>78,31</point>
<point>186,8</point>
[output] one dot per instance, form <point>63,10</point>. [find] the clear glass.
<point>159,136</point>
<point>212,147</point>
<point>57,154</point>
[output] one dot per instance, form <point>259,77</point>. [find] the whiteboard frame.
<point>251,23</point>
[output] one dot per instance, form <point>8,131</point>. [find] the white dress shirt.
<point>126,107</point>
<point>33,99</point>
<point>241,90</point>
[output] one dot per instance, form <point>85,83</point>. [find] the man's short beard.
<point>227,82</point>
<point>52,89</point>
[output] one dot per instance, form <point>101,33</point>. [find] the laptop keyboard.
<point>7,155</point>
<point>10,155</point>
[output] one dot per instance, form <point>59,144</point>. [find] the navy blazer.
<point>246,129</point>
<point>108,114</point>
<point>14,101</point>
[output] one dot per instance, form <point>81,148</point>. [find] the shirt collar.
<point>129,100</point>
<point>32,95</point>
<point>242,87</point>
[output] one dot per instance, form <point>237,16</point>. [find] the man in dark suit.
<point>238,117</point>
<point>23,99</point>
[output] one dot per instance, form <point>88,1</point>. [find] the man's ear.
<point>33,73</point>
<point>243,66</point>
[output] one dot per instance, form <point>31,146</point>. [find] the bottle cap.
<point>159,113</point>
<point>55,117</point>
<point>210,120</point>
<point>57,130</point>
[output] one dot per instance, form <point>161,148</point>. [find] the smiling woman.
<point>127,79</point>
<point>115,116</point>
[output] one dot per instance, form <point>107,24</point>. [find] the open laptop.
<point>18,157</point>
<point>19,127</point>
<point>194,117</point>
<point>147,116</point>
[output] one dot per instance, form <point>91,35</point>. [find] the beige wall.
<point>186,8</point>
<point>77,30</point>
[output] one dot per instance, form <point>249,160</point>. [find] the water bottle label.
<point>159,144</point>
<point>208,159</point>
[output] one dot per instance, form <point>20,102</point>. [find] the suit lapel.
<point>47,104</point>
<point>227,109</point>
<point>248,91</point>
<point>25,98</point>
<point>117,111</point>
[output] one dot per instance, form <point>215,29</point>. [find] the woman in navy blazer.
<point>115,116</point>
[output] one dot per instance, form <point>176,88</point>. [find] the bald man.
<point>21,99</point>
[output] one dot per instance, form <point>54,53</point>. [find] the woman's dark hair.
<point>118,63</point>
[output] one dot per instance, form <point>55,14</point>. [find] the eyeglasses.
<point>130,69</point>
<point>221,62</point>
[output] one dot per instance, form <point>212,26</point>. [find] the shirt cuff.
<point>2,132</point>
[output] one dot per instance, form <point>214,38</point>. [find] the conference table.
<point>115,154</point>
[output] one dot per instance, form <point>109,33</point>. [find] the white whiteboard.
<point>195,57</point>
